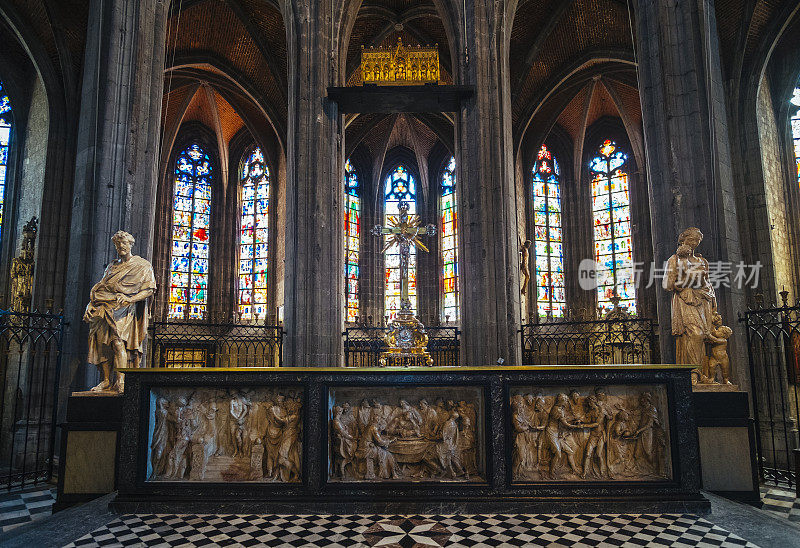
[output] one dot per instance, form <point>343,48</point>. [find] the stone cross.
<point>404,230</point>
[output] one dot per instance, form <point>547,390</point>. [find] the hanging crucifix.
<point>406,337</point>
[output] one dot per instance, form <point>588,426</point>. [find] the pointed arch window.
<point>352,239</point>
<point>254,178</point>
<point>449,243</point>
<point>6,122</point>
<point>191,223</point>
<point>612,227</point>
<point>795,100</point>
<point>548,246</point>
<point>399,185</point>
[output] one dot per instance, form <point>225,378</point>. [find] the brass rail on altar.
<point>453,369</point>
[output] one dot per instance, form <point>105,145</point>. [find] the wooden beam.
<point>394,99</point>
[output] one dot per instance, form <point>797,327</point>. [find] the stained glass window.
<point>191,219</point>
<point>548,247</point>
<point>399,185</point>
<point>5,136</point>
<point>253,232</point>
<point>449,235</point>
<point>613,248</point>
<point>795,100</point>
<point>352,239</point>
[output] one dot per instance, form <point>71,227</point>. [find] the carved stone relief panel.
<point>225,435</point>
<point>383,434</point>
<point>590,433</point>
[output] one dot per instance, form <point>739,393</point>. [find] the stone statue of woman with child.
<point>695,320</point>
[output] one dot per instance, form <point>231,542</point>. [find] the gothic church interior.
<point>406,259</point>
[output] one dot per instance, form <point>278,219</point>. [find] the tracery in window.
<point>253,236</point>
<point>449,243</point>
<point>399,185</point>
<point>795,100</point>
<point>191,221</point>
<point>5,137</point>
<point>352,240</point>
<point>548,246</point>
<point>612,227</point>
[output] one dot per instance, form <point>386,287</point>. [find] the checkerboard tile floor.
<point>411,531</point>
<point>781,502</point>
<point>25,506</point>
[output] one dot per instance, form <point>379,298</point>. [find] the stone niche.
<point>225,434</point>
<point>397,434</point>
<point>589,433</point>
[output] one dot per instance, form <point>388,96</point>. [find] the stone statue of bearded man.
<point>117,313</point>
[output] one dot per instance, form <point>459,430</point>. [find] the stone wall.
<point>774,195</point>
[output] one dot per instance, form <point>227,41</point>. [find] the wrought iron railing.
<point>611,340</point>
<point>773,347</point>
<point>30,360</point>
<point>203,344</point>
<point>363,346</point>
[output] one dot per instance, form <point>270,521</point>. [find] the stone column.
<point>488,247</point>
<point>688,152</point>
<point>117,151</point>
<point>314,292</point>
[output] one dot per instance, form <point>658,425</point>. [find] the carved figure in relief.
<point>430,420</point>
<point>467,446</point>
<point>556,439</point>
<point>448,450</point>
<point>183,431</point>
<point>523,456</point>
<point>620,453</point>
<point>204,437</point>
<point>376,441</point>
<point>117,313</point>
<point>289,450</point>
<point>596,421</point>
<point>619,437</point>
<point>376,453</point>
<point>650,435</point>
<point>344,438</point>
<point>239,409</point>
<point>224,435</point>
<point>158,445</point>
<point>276,419</point>
<point>408,422</point>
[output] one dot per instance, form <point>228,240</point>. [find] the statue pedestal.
<point>89,447</point>
<point>715,387</point>
<point>97,393</point>
<point>727,443</point>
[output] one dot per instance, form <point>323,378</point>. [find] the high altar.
<point>439,440</point>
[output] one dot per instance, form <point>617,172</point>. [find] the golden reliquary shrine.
<point>400,64</point>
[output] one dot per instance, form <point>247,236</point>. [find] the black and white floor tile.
<point>781,502</point>
<point>22,507</point>
<point>413,531</point>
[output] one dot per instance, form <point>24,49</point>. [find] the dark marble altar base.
<point>567,503</point>
<point>317,493</point>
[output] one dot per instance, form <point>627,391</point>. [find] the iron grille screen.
<point>202,344</point>
<point>363,346</point>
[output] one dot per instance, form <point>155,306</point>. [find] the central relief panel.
<point>415,434</point>
<point>225,434</point>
